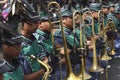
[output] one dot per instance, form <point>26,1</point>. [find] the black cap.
<point>8,36</point>
<point>31,17</point>
<point>34,16</point>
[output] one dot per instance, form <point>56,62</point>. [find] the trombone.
<point>70,75</point>
<point>76,16</point>
<point>95,67</point>
<point>53,9</point>
<point>83,74</point>
<point>111,25</point>
<point>101,33</point>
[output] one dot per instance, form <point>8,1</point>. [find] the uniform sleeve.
<point>25,65</point>
<point>58,38</point>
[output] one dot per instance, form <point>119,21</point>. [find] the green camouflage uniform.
<point>45,40</point>
<point>17,74</point>
<point>31,47</point>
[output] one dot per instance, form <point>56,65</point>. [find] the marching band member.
<point>44,38</point>
<point>11,50</point>
<point>9,64</point>
<point>117,15</point>
<point>68,28</point>
<point>30,47</point>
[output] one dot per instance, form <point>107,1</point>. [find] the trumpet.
<point>48,68</point>
<point>95,67</point>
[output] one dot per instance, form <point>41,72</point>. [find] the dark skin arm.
<point>61,51</point>
<point>35,75</point>
<point>1,76</point>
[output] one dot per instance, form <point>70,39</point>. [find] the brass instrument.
<point>100,22</point>
<point>111,25</point>
<point>48,68</point>
<point>95,67</point>
<point>83,74</point>
<point>70,75</point>
<point>76,16</point>
<point>102,35</point>
<point>54,12</point>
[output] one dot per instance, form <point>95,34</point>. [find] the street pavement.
<point>113,71</point>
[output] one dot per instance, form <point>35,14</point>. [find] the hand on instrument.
<point>62,51</point>
<point>46,60</point>
<point>54,63</point>
<point>95,37</point>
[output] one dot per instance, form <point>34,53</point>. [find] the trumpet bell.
<point>85,75</point>
<point>112,52</point>
<point>96,69</point>
<point>72,76</point>
<point>106,57</point>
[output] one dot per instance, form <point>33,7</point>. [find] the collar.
<point>42,33</point>
<point>67,30</point>
<point>32,38</point>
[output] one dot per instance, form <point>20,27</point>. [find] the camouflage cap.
<point>43,16</point>
<point>95,6</point>
<point>85,9</point>
<point>105,5</point>
<point>66,11</point>
<point>78,7</point>
<point>117,11</point>
<point>111,4</point>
